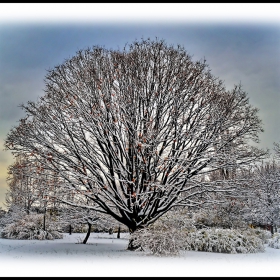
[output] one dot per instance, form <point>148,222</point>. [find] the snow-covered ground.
<point>105,255</point>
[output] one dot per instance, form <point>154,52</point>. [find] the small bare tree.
<point>24,189</point>
<point>131,130</point>
<point>31,186</point>
<point>276,149</point>
<point>264,201</point>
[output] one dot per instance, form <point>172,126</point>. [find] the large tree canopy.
<point>132,129</point>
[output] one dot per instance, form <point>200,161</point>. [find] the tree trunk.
<point>88,234</point>
<point>132,246</point>
<point>44,221</point>
<point>70,229</point>
<point>119,232</point>
<point>271,229</point>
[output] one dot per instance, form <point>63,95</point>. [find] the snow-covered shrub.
<point>165,236</point>
<point>274,242</point>
<point>263,234</point>
<point>157,240</point>
<point>30,227</point>
<point>223,241</point>
<point>14,213</point>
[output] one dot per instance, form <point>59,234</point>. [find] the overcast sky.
<point>240,42</point>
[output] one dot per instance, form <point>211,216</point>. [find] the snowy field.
<point>105,255</point>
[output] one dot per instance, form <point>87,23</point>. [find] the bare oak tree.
<point>132,129</point>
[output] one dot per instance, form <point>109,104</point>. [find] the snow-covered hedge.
<point>274,242</point>
<point>223,241</point>
<point>163,240</point>
<point>30,227</point>
<point>263,234</point>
